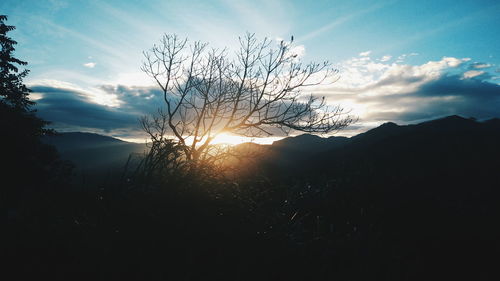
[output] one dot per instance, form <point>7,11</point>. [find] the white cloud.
<point>92,94</point>
<point>379,91</point>
<point>481,65</point>
<point>385,58</point>
<point>375,90</point>
<point>365,54</point>
<point>402,57</point>
<point>472,74</point>
<point>137,78</point>
<point>90,64</point>
<point>299,51</point>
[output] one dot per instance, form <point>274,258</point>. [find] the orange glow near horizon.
<point>222,139</point>
<point>235,140</point>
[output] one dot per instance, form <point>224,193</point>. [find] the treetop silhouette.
<point>208,92</point>
<point>12,90</point>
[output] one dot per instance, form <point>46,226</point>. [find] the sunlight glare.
<point>235,140</point>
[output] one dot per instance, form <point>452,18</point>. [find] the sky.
<point>399,61</point>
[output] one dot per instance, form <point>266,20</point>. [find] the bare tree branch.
<point>207,92</point>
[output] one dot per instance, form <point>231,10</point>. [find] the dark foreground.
<point>397,203</point>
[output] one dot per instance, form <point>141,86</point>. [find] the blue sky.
<point>403,61</point>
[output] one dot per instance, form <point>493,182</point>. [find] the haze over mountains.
<point>454,134</point>
<point>93,152</point>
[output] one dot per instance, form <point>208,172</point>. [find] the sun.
<point>225,138</point>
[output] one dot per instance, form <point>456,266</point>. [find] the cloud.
<point>92,94</point>
<point>479,65</point>
<point>298,51</point>
<point>403,57</point>
<point>472,74</point>
<point>90,64</point>
<point>365,54</point>
<point>70,109</point>
<point>138,100</point>
<point>385,58</point>
<point>378,92</point>
<point>375,90</point>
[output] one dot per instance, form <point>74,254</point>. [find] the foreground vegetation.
<point>399,203</point>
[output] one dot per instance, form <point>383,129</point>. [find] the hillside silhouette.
<point>390,143</point>
<point>89,150</point>
<point>428,193</point>
<point>94,155</point>
<point>398,202</point>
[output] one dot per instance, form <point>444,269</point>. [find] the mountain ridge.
<point>93,151</point>
<point>389,142</point>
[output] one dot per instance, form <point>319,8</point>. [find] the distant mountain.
<point>390,144</point>
<point>387,146</point>
<point>288,152</point>
<point>79,140</point>
<point>92,152</point>
<point>492,124</point>
<point>309,143</point>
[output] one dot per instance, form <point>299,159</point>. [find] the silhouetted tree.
<point>26,163</point>
<point>208,92</point>
<point>12,90</point>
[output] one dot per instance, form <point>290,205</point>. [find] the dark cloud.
<point>455,85</point>
<point>67,107</point>
<point>446,95</point>
<point>397,80</point>
<point>140,100</point>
